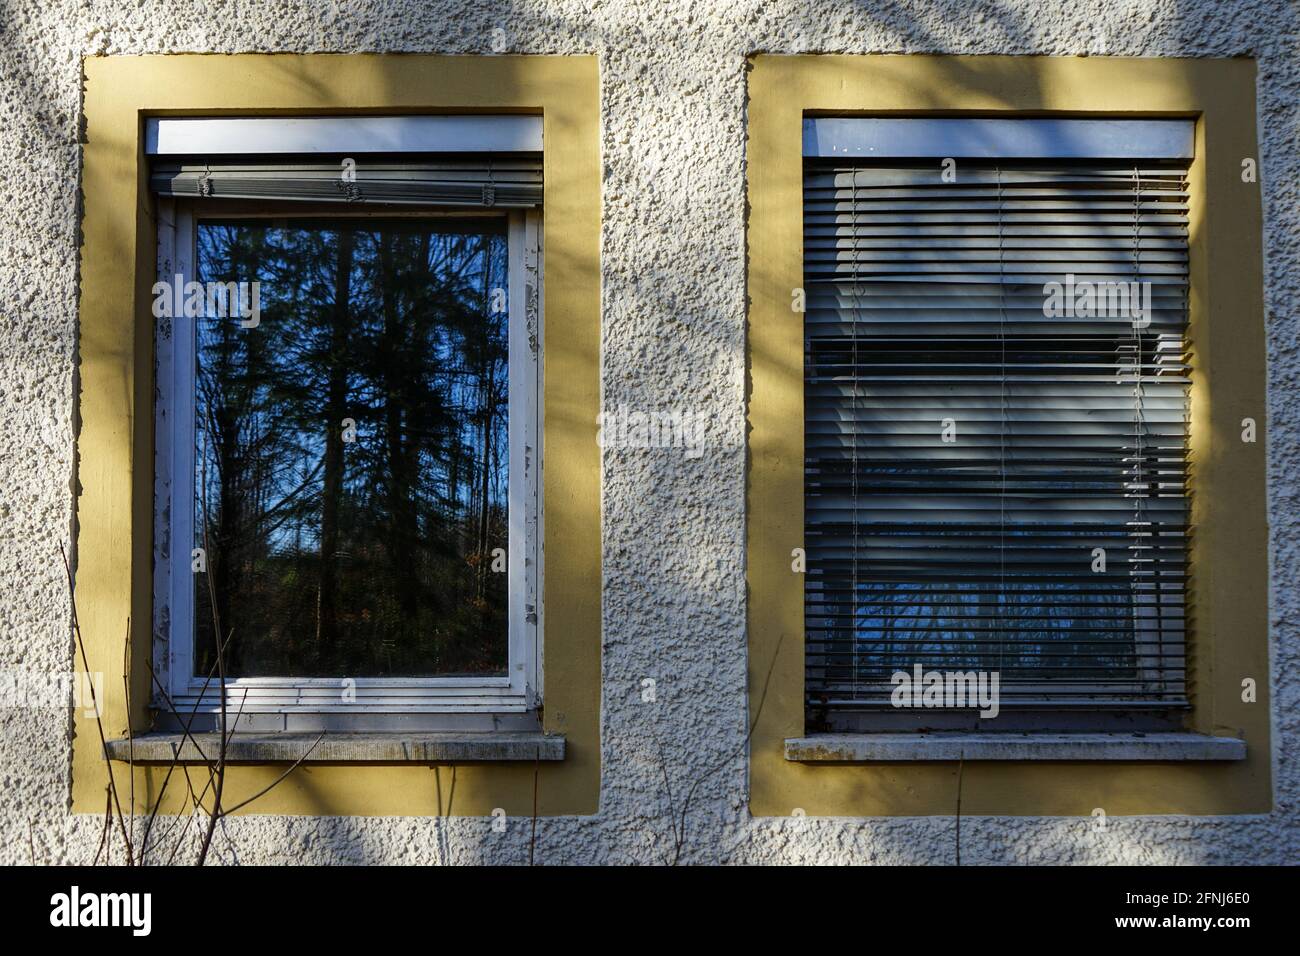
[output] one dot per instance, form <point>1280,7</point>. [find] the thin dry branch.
<point>679,832</point>
<point>220,775</point>
<point>94,701</point>
<point>270,786</point>
<point>532,839</point>
<point>108,818</point>
<point>130,736</point>
<point>961,767</point>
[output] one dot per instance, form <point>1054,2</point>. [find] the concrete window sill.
<point>866,747</point>
<point>419,748</point>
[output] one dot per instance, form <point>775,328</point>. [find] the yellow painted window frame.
<point>1228,603</point>
<point>114,503</point>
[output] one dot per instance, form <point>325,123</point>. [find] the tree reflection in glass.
<point>351,450</point>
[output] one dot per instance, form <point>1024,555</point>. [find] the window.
<point>348,336</point>
<point>995,421</point>
<point>1167,732</point>
<point>146,112</point>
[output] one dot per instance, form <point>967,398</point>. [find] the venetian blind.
<point>996,410</point>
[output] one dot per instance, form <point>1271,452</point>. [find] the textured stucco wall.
<point>673,136</point>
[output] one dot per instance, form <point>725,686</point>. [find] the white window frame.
<point>519,692</point>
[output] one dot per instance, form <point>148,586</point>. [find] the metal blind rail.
<point>925,307</point>
<point>479,181</point>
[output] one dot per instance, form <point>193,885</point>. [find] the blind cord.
<point>1002,431</point>
<point>1141,486</point>
<point>853,386</point>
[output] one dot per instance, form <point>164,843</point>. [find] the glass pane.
<point>350,485</point>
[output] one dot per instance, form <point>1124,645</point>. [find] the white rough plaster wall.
<point>673,145</point>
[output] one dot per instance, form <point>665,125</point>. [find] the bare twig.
<point>130,736</point>
<point>216,769</point>
<point>961,766</point>
<point>194,802</point>
<point>171,768</point>
<point>157,804</point>
<point>108,818</point>
<point>171,707</point>
<point>668,789</point>
<point>532,839</point>
<point>290,769</point>
<point>221,681</point>
<point>679,832</point>
<point>185,723</point>
<point>94,702</point>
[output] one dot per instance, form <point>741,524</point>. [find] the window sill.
<point>418,748</point>
<point>855,748</point>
